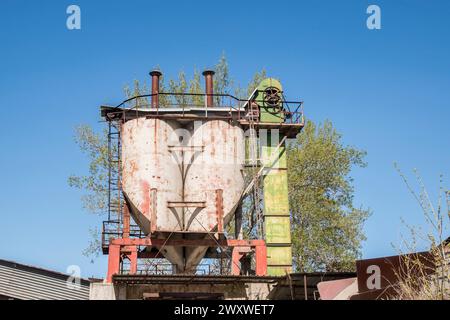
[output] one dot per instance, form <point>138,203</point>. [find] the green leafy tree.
<point>94,183</point>
<point>195,87</point>
<point>257,78</point>
<point>138,90</point>
<point>179,86</point>
<point>326,227</point>
<point>222,81</point>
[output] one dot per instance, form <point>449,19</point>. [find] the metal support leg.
<point>261,260</point>
<point>133,260</point>
<point>126,222</point>
<point>235,263</point>
<point>219,210</point>
<point>238,223</point>
<point>113,261</point>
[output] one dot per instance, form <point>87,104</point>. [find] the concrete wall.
<point>238,291</point>
<point>102,291</point>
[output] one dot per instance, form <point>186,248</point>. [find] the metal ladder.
<point>115,197</point>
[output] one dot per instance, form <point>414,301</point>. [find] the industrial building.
<point>198,200</point>
<point>23,282</point>
<point>182,169</point>
<point>198,206</point>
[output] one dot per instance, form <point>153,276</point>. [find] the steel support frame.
<point>127,248</point>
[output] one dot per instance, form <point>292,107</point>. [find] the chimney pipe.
<point>209,87</point>
<point>155,74</point>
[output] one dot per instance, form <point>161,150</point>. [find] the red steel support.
<point>129,247</point>
<point>261,260</point>
<point>126,222</point>
<point>133,260</point>
<point>113,261</point>
<point>186,242</point>
<point>235,262</point>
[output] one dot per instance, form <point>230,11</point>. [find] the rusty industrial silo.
<point>183,170</point>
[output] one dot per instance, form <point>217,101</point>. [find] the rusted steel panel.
<point>375,274</point>
<point>334,289</point>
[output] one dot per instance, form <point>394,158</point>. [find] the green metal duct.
<point>275,185</point>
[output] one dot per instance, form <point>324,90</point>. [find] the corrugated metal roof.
<point>30,283</point>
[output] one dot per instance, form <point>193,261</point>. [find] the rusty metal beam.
<point>113,262</point>
<point>128,247</point>
<point>126,222</point>
<point>186,204</point>
<point>187,242</point>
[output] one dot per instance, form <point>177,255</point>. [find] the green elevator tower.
<point>276,212</point>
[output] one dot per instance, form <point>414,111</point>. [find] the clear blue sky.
<point>386,91</point>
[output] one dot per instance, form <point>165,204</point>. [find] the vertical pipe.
<point>153,213</point>
<point>238,223</point>
<point>155,74</point>
<point>261,260</point>
<point>126,221</point>
<point>133,260</point>
<point>208,74</point>
<point>235,264</point>
<point>219,210</point>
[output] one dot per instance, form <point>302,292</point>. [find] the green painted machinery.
<point>269,99</point>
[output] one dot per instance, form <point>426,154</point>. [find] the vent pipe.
<point>155,74</point>
<point>209,87</point>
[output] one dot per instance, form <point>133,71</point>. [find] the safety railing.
<point>231,107</point>
<point>113,229</point>
<point>291,112</point>
<point>164,267</point>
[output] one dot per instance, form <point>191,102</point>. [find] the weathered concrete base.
<point>102,291</point>
<point>228,287</point>
<point>240,291</point>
